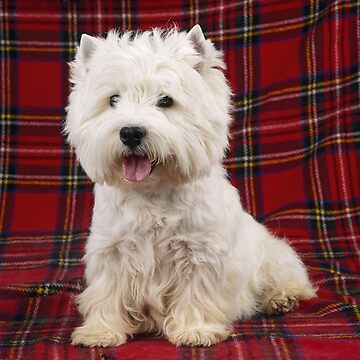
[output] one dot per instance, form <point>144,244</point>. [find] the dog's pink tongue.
<point>136,168</point>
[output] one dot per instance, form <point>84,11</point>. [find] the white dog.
<point>170,250</point>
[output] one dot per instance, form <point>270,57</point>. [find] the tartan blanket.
<point>294,157</point>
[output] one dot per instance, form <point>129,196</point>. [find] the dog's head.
<point>148,108</point>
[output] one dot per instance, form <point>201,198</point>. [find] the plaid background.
<point>294,68</point>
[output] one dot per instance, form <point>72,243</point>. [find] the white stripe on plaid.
<point>314,120</point>
<point>330,238</point>
<point>246,123</point>
<point>301,216</point>
<point>157,15</point>
<point>302,151</point>
<point>22,335</point>
<point>221,27</point>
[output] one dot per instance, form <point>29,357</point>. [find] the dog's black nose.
<point>132,135</point>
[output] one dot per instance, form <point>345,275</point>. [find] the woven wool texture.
<point>295,146</point>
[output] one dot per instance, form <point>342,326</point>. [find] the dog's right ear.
<point>80,66</point>
<point>88,45</point>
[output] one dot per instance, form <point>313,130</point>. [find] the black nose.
<point>132,135</point>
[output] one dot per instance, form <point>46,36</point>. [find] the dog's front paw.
<point>96,336</point>
<point>205,335</point>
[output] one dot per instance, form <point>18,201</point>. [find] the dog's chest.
<point>159,223</point>
<point>168,228</point>
<point>161,229</point>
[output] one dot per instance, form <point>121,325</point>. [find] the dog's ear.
<point>79,67</point>
<point>88,45</point>
<point>197,37</point>
<point>210,56</point>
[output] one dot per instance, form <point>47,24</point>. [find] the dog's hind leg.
<point>282,277</point>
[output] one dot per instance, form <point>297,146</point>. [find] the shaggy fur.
<point>174,253</point>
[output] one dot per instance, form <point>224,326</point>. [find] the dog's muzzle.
<point>135,168</point>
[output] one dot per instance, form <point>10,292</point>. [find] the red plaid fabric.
<point>294,69</point>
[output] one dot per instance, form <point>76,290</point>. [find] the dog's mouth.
<point>136,168</point>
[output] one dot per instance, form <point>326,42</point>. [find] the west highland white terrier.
<point>170,248</point>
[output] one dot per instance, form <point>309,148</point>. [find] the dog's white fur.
<point>175,253</point>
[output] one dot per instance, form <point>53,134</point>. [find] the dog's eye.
<point>114,100</point>
<point>165,102</point>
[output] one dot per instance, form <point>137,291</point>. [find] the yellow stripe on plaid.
<point>285,349</point>
<point>315,211</point>
<point>48,183</point>
<point>61,262</point>
<point>128,13</point>
<point>297,89</point>
<point>6,93</point>
<point>250,138</point>
<point>33,117</point>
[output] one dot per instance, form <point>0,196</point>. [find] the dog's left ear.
<point>210,56</point>
<point>197,37</point>
<point>88,45</point>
